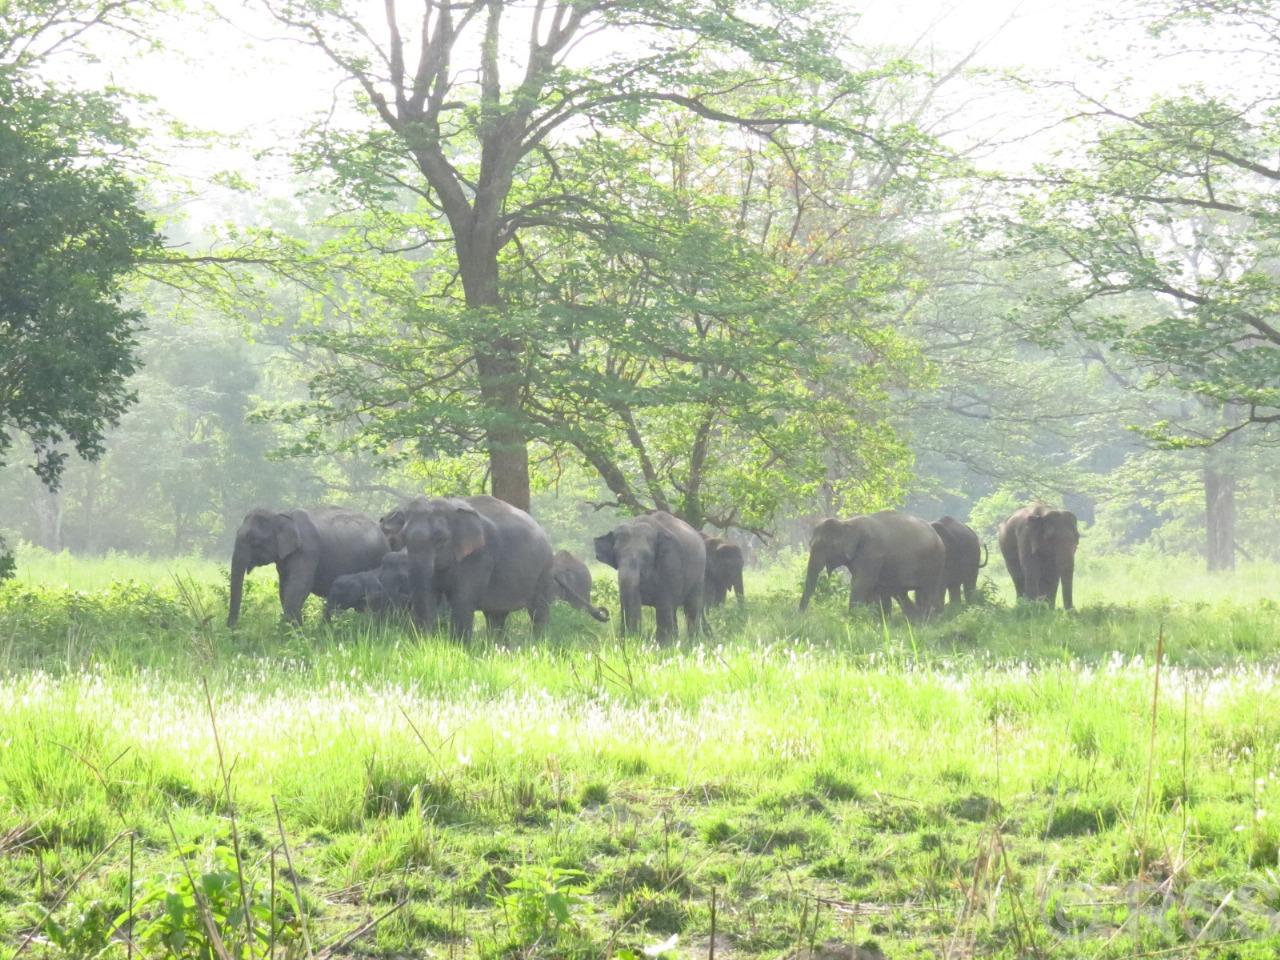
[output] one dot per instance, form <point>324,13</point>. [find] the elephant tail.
<point>600,613</point>
<point>985,557</point>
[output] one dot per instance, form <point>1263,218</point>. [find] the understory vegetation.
<point>1007,781</point>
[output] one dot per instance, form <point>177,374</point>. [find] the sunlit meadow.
<point>994,784</point>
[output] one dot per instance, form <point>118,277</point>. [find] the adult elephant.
<point>472,553</point>
<point>1039,547</point>
<point>311,547</point>
<point>965,557</point>
<point>724,571</point>
<point>571,582</point>
<point>661,563</point>
<point>887,553</point>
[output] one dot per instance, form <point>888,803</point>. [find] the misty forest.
<point>614,479</point>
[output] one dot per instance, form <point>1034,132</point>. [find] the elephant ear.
<point>667,557</point>
<point>465,530</point>
<point>287,537</point>
<point>392,524</point>
<point>605,551</point>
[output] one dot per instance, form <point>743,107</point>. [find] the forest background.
<point>756,271</point>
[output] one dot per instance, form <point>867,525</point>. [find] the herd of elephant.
<point>460,555</point>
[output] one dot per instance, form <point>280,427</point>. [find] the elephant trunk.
<point>629,596</point>
<point>1068,570</point>
<point>239,566</point>
<point>580,600</point>
<point>422,589</point>
<point>817,562</point>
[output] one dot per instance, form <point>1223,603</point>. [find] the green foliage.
<point>1167,229</point>
<point>697,318</point>
<point>197,913</point>
<point>540,899</point>
<point>73,231</point>
<point>202,915</point>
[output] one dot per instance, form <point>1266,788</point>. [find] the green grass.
<point>989,784</point>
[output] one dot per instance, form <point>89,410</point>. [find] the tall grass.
<point>977,785</point>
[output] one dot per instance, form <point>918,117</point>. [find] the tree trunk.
<point>47,505</point>
<point>500,375</point>
<point>1220,519</point>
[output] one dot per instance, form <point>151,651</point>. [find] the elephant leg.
<point>1053,589</point>
<point>295,587</point>
<point>862,585</point>
<point>464,620</point>
<point>495,621</point>
<point>666,616</point>
<point>916,609</point>
<point>695,620</point>
<point>886,605</point>
<point>545,594</point>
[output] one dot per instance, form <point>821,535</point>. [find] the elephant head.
<point>438,533</point>
<point>834,544</point>
<point>264,537</point>
<point>645,556</point>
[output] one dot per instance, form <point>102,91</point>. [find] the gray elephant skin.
<point>382,591</point>
<point>571,582</point>
<point>888,554</point>
<point>1039,547</point>
<point>661,563</point>
<point>724,571</point>
<point>311,547</point>
<point>472,553</point>
<point>965,557</point>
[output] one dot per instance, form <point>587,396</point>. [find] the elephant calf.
<point>381,591</point>
<point>572,584</point>
<point>724,571</point>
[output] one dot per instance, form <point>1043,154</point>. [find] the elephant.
<point>661,563</point>
<point>724,571</point>
<point>571,582</point>
<point>966,555</point>
<point>381,591</point>
<point>472,553</point>
<point>888,554</point>
<point>1039,547</point>
<point>311,547</point>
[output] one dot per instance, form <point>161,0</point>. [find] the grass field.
<point>1007,782</point>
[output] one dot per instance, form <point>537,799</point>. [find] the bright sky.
<point>233,75</point>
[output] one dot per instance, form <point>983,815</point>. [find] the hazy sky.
<point>233,74</point>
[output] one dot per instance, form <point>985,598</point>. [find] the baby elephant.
<point>572,584</point>
<point>381,591</point>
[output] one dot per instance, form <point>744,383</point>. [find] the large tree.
<point>713,336</point>
<point>481,105</point>
<point>71,232</point>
